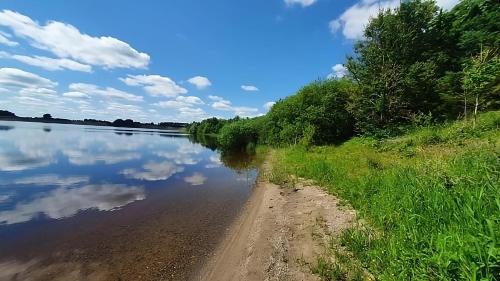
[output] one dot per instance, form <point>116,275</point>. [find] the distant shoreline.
<point>99,123</point>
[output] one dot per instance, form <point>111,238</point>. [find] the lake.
<point>102,203</point>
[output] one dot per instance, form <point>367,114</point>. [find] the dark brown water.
<point>80,202</point>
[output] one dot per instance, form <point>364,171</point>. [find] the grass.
<point>431,199</point>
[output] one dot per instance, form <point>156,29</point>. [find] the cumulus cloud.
<point>20,79</point>
<point>155,85</point>
<point>195,179</point>
<point>153,171</point>
<point>190,112</point>
<point>200,82</point>
<point>66,41</point>
<point>353,20</point>
<point>225,105</point>
<point>338,71</point>
<point>267,106</point>
<point>48,63</point>
<point>66,202</point>
<point>180,101</point>
<point>108,92</point>
<point>77,95</point>
<point>249,88</point>
<point>303,3</point>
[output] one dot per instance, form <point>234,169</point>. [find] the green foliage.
<point>209,126</point>
<point>317,114</point>
<point>416,63</point>
<point>432,216</point>
<point>411,61</point>
<point>238,135</point>
<point>481,79</point>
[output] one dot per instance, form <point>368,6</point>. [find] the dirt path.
<point>279,234</point>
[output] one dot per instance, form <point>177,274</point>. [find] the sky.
<point>177,60</point>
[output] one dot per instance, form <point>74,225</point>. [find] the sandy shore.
<point>280,233</point>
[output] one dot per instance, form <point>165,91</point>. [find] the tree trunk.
<point>465,107</point>
<point>475,110</point>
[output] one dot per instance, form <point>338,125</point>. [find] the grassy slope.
<point>431,199</point>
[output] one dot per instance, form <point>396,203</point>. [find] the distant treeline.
<point>129,123</point>
<point>416,65</point>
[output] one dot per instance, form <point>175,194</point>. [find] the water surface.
<point>111,204</point>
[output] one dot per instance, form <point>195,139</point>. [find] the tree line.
<point>416,64</point>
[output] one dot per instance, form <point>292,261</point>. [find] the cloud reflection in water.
<point>65,202</point>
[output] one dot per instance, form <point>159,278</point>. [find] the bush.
<point>238,135</point>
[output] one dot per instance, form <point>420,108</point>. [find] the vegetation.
<point>415,64</point>
<point>5,113</point>
<point>416,128</point>
<point>129,123</point>
<point>430,200</point>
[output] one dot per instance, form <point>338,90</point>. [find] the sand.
<point>279,234</point>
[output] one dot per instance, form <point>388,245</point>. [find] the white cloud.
<point>155,85</point>
<point>352,21</point>
<point>180,101</point>
<point>195,179</point>
<point>19,79</point>
<point>267,106</point>
<point>200,82</point>
<point>190,112</point>
<point>215,98</point>
<point>48,63</point>
<point>66,202</point>
<point>185,107</point>
<point>249,88</point>
<point>66,41</point>
<point>77,95</point>
<point>108,92</point>
<point>338,71</point>
<point>6,41</point>
<point>190,99</point>
<point>225,105</point>
<point>153,171</point>
<point>303,3</point>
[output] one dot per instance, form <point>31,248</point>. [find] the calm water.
<point>111,204</point>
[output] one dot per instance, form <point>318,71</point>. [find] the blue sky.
<point>180,60</point>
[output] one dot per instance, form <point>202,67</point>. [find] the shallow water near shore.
<point>82,202</point>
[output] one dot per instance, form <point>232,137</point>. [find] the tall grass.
<point>432,197</point>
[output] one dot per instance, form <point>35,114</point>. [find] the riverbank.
<point>428,200</point>
<point>280,234</point>
<point>426,208</point>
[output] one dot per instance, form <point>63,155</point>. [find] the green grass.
<point>431,199</point>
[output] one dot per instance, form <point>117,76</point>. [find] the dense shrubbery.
<point>209,126</point>
<point>318,113</point>
<point>415,64</point>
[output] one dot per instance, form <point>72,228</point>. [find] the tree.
<point>395,66</point>
<point>5,113</point>
<point>319,111</point>
<point>481,79</point>
<point>47,116</point>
